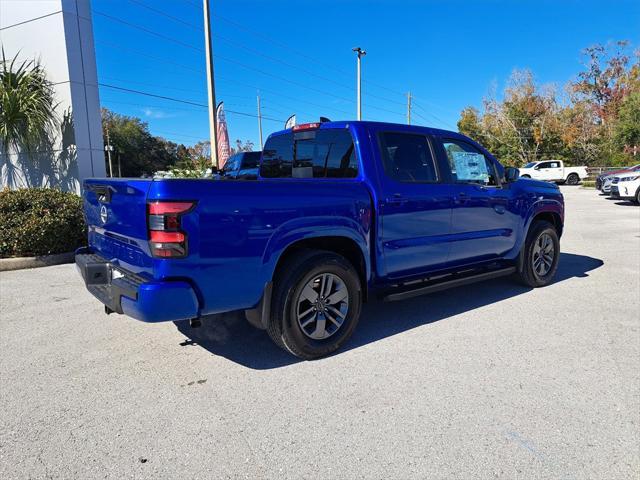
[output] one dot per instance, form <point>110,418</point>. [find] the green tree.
<point>523,125</point>
<point>28,121</point>
<point>605,81</point>
<point>137,150</point>
<point>470,124</point>
<point>627,127</point>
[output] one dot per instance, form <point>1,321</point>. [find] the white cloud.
<point>156,113</point>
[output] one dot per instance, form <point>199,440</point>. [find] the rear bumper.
<point>130,294</point>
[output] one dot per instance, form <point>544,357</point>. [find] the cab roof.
<point>384,125</point>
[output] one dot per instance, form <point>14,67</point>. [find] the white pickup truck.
<point>554,171</point>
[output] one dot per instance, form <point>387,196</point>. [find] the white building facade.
<point>58,33</point>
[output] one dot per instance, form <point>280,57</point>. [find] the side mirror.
<point>511,174</point>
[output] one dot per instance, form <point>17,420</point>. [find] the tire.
<point>539,273</point>
<point>294,324</point>
<point>637,199</point>
<point>573,179</point>
<point>525,176</point>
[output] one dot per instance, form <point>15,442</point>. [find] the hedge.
<point>40,221</point>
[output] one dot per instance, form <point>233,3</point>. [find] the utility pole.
<point>213,121</point>
<point>259,120</point>
<point>361,53</point>
<point>408,108</point>
<point>109,149</point>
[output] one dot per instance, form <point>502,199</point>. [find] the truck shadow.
<point>231,336</point>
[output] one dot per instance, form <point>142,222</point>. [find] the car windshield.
<point>530,165</point>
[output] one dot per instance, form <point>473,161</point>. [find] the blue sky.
<point>298,54</point>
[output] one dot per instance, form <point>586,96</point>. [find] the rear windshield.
<point>326,153</point>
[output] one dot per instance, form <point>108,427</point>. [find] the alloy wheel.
<point>322,306</point>
<point>543,254</point>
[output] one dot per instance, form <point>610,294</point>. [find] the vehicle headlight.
<point>630,179</point>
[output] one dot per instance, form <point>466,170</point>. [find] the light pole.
<point>109,148</point>
<point>361,53</point>
<point>211,90</point>
<point>259,120</point>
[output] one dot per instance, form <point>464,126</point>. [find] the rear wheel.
<point>541,255</point>
<point>316,304</point>
<point>573,179</point>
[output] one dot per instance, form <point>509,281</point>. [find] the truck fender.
<point>538,207</point>
<point>309,228</point>
<point>294,232</point>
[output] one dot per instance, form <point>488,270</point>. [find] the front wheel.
<point>573,179</point>
<point>316,304</point>
<point>541,255</point>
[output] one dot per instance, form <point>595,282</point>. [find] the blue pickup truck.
<point>341,213</point>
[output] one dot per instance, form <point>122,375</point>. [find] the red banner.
<point>223,136</point>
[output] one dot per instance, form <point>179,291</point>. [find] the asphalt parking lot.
<point>489,381</point>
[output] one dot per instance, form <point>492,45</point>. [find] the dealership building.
<point>59,34</point>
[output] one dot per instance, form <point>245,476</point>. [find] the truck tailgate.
<point>116,212</point>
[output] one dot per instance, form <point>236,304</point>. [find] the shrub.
<point>40,221</point>
<point>588,184</point>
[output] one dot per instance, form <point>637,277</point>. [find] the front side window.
<point>407,157</point>
<point>468,165</point>
<point>325,153</point>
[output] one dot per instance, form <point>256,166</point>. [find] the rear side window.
<point>326,153</point>
<point>407,157</point>
<point>277,157</point>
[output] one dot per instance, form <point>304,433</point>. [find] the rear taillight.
<point>166,239</point>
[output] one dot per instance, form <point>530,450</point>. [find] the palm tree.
<point>28,121</point>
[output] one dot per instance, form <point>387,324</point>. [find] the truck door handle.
<point>396,199</point>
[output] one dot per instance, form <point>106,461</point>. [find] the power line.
<point>147,94</point>
<point>438,119</point>
<point>151,85</point>
<point>130,90</point>
<point>152,57</point>
<point>164,14</point>
<point>163,107</point>
<point>255,52</point>
<point>150,32</point>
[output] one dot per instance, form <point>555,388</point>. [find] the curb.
<point>20,263</point>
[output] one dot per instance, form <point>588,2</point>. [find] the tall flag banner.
<point>224,151</point>
<point>291,121</point>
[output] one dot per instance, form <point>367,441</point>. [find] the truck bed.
<point>233,224</point>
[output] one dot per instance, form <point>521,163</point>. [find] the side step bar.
<point>455,282</point>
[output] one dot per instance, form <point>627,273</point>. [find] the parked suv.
<point>626,186</point>
<point>342,212</point>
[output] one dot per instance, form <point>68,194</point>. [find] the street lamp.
<point>109,148</point>
<point>361,53</point>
